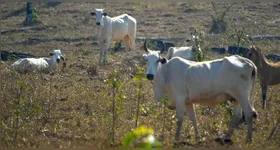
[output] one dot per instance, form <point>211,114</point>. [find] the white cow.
<point>187,52</point>
<point>114,29</point>
<point>26,65</point>
<point>212,82</point>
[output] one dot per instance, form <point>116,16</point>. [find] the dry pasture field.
<point>73,106</point>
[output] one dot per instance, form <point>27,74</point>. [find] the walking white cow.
<point>114,29</point>
<point>187,82</point>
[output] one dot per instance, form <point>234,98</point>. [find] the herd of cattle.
<point>180,77</point>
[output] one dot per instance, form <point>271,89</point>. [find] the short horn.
<point>145,46</point>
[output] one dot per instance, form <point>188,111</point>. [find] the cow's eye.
<point>250,55</point>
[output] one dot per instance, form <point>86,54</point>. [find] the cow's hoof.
<point>171,107</point>
<point>223,141</point>
<point>200,140</point>
<point>176,144</point>
<point>249,140</point>
<point>228,141</point>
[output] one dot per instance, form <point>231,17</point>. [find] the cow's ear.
<point>92,13</point>
<point>51,54</point>
<point>105,14</point>
<point>62,58</point>
<point>163,60</point>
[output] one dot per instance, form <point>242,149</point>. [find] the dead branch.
<point>274,129</point>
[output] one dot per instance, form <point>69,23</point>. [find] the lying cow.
<point>114,29</point>
<point>26,65</point>
<point>187,82</point>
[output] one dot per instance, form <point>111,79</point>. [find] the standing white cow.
<point>212,82</point>
<point>114,29</point>
<point>186,52</point>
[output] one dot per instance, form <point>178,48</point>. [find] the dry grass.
<point>72,108</point>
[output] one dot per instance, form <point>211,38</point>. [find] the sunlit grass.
<point>72,107</point>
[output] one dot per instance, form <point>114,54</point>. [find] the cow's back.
<point>204,80</point>
<point>183,52</point>
<point>123,25</point>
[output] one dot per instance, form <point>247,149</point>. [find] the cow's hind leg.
<point>237,114</point>
<point>132,42</point>
<point>248,112</point>
<point>192,115</point>
<point>127,42</point>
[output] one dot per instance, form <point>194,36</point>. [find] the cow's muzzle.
<point>98,23</point>
<point>57,60</point>
<point>150,76</point>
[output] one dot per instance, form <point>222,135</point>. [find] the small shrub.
<point>237,35</point>
<point>117,98</point>
<point>34,15</point>
<point>198,41</point>
<point>31,15</point>
<point>139,87</point>
<point>141,137</point>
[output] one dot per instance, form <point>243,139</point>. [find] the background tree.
<point>31,14</point>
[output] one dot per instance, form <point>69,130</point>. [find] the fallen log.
<point>26,28</point>
<point>274,129</point>
<point>61,39</point>
<point>273,57</point>
<point>221,50</point>
<point>264,37</point>
<point>160,38</point>
<point>5,55</point>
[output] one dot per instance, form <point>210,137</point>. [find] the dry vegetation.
<point>73,107</point>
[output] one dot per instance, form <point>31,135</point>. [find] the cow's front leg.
<point>180,112</point>
<point>101,51</point>
<point>100,55</point>
<point>107,46</point>
<point>192,115</point>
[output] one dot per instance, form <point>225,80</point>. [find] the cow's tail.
<point>254,76</point>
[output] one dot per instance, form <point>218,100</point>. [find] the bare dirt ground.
<point>73,107</point>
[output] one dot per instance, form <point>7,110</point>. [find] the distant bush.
<point>219,23</point>
<point>238,35</point>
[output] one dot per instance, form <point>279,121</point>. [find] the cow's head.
<point>98,13</point>
<point>153,59</point>
<point>255,56</point>
<point>56,54</point>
